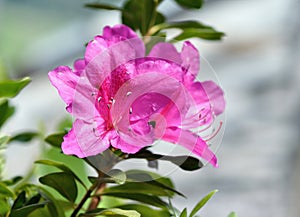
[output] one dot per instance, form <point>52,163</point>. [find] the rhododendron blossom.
<point>120,97</point>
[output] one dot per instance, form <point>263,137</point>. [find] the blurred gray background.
<point>258,64</point>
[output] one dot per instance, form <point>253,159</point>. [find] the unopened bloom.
<point>121,98</point>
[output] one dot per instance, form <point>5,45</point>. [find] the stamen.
<point>108,106</point>
<point>112,100</point>
<point>215,133</point>
<point>93,94</point>
<point>130,110</point>
<point>206,128</point>
<point>128,93</point>
<point>99,98</point>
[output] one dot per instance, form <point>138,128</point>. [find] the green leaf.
<point>62,182</point>
<point>20,201</point>
<point>138,187</point>
<point>62,167</point>
<point>35,199</point>
<point>183,213</point>
<point>4,206</point>
<point>13,181</point>
<point>5,191</point>
<point>11,88</point>
<point>6,111</point>
<point>117,176</point>
<point>141,14</point>
<point>102,6</point>
<point>26,210</point>
<point>117,212</point>
<point>54,207</point>
<point>184,162</point>
<point>55,139</point>
<point>4,140</point>
<point>190,3</point>
<point>24,137</point>
<point>190,29</point>
<point>65,124</point>
<point>232,214</point>
<point>208,34</point>
<point>161,185</point>
<point>144,198</point>
<point>150,187</point>
<point>202,203</point>
<point>113,176</point>
<point>146,211</point>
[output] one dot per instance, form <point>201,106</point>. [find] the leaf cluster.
<point>144,16</point>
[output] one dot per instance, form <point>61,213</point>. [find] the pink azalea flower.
<point>121,98</point>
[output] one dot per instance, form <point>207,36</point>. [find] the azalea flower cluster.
<point>122,98</point>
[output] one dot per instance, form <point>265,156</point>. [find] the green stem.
<point>84,199</point>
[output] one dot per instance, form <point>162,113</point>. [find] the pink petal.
<point>95,47</point>
<point>119,143</point>
<point>83,140</point>
<point>215,95</point>
<point>70,145</point>
<point>119,30</point>
<point>191,142</point>
<point>190,59</point>
<point>65,81</point>
<point>165,51</point>
<point>122,32</point>
<point>79,65</point>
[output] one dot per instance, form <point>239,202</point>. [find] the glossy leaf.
<point>102,6</point>
<point>232,214</point>
<point>146,211</point>
<point>55,139</point>
<point>153,179</point>
<point>117,176</point>
<point>116,212</point>
<point>190,3</point>
<point>190,29</point>
<point>24,137</point>
<point>13,181</point>
<point>26,210</point>
<point>54,207</point>
<point>208,34</point>
<point>6,111</point>
<point>184,162</point>
<point>11,88</point>
<point>144,198</point>
<point>35,199</point>
<point>20,201</point>
<point>138,187</point>
<point>62,167</point>
<point>141,14</point>
<point>5,191</point>
<point>202,203</point>
<point>62,182</point>
<point>183,213</point>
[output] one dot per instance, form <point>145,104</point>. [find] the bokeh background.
<point>258,64</point>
